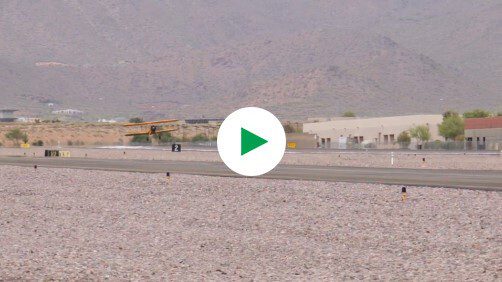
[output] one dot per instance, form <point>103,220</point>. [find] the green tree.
<point>449,113</point>
<point>477,113</point>
<point>349,114</point>
<point>136,120</point>
<point>451,127</point>
<point>499,114</point>
<point>404,139</point>
<point>288,128</point>
<point>16,135</point>
<point>421,133</point>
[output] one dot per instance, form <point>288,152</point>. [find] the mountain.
<point>207,58</point>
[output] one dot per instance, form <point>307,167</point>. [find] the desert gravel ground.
<point>77,224</point>
<point>407,159</point>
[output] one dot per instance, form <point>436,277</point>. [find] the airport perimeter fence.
<point>430,145</point>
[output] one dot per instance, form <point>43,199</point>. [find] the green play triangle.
<point>250,141</point>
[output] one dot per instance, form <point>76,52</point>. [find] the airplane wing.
<point>151,122</point>
<point>166,130</point>
<point>137,133</point>
<point>148,132</point>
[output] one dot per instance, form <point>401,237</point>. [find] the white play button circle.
<point>251,141</point>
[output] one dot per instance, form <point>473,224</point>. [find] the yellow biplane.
<point>153,127</point>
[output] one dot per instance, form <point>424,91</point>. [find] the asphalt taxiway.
<point>465,179</point>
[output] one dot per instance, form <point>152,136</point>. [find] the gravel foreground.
<point>77,224</point>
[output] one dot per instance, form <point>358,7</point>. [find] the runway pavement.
<point>465,179</point>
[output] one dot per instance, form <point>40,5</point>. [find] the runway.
<point>464,179</point>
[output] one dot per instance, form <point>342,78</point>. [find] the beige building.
<point>483,133</point>
<point>380,131</point>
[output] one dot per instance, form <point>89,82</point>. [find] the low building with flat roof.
<point>68,112</point>
<point>7,115</point>
<point>382,131</point>
<point>204,120</point>
<point>483,133</point>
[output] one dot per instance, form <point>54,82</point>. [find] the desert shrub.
<point>39,143</point>
<point>69,143</point>
<point>404,139</point>
<point>136,120</point>
<point>349,114</point>
<point>141,139</point>
<point>165,137</point>
<point>477,113</point>
<point>200,138</point>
